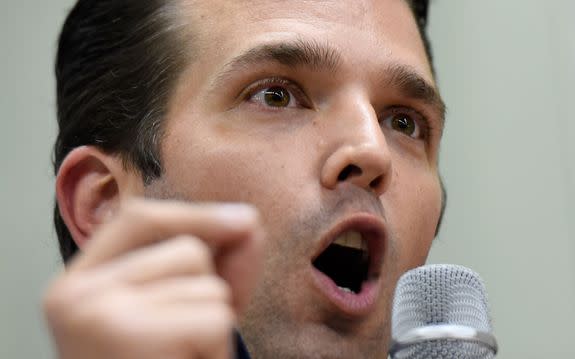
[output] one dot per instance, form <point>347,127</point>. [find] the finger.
<point>175,257</point>
<point>241,267</point>
<point>206,330</point>
<point>187,291</point>
<point>143,222</point>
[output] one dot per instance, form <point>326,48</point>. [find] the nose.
<point>361,155</point>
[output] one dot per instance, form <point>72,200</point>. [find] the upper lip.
<point>372,229</point>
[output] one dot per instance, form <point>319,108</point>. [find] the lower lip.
<point>350,304</point>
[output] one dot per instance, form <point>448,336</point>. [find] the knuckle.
<point>59,293</point>
<point>222,319</point>
<point>219,289</point>
<point>114,313</point>
<point>210,329</point>
<point>52,301</point>
<point>61,298</point>
<point>193,249</point>
<point>228,316</point>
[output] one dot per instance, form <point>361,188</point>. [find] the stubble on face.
<point>305,318</point>
<point>221,149</point>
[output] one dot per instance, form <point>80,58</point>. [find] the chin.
<point>316,340</point>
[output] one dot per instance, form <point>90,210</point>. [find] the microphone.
<point>440,311</point>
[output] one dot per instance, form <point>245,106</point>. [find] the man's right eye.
<point>275,96</point>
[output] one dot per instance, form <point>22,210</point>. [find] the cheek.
<point>221,168</point>
<point>413,208</point>
<point>231,158</point>
<point>220,173</point>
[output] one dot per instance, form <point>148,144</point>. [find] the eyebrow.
<point>323,57</point>
<point>413,85</point>
<point>298,53</point>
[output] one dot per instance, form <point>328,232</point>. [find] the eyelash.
<point>302,100</point>
<point>421,121</point>
<point>294,89</point>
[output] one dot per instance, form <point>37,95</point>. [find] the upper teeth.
<point>351,239</point>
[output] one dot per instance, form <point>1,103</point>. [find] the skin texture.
<point>224,143</point>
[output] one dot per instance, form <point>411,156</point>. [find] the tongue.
<point>346,266</point>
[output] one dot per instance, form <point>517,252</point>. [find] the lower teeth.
<point>345,289</point>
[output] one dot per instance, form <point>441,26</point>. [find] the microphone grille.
<point>441,294</point>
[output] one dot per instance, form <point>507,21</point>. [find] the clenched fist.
<point>162,280</point>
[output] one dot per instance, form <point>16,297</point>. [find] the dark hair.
<point>420,10</point>
<point>116,66</point>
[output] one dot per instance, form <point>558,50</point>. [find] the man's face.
<point>316,112</point>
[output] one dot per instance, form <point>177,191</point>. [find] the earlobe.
<point>89,187</point>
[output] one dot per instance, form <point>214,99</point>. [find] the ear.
<point>90,185</point>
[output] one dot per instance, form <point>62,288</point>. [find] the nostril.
<point>376,182</point>
<point>349,171</point>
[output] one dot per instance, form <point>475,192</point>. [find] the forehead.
<point>363,30</point>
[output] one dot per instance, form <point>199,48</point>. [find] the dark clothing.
<point>241,351</point>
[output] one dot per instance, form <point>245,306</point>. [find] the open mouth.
<point>346,261</point>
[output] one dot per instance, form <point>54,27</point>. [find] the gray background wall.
<point>506,69</point>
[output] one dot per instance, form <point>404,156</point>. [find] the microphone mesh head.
<point>441,294</point>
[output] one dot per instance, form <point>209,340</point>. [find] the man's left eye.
<point>274,96</point>
<point>403,122</point>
